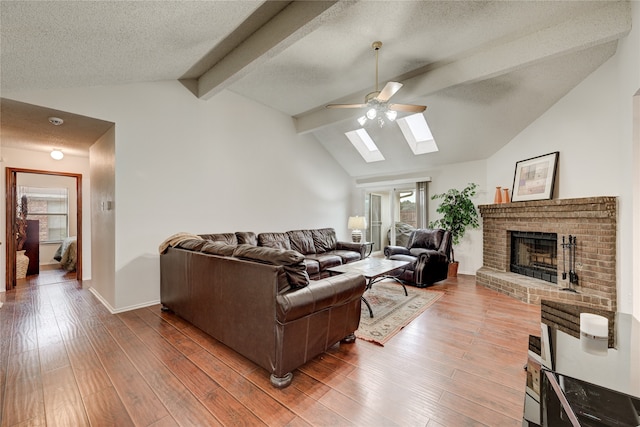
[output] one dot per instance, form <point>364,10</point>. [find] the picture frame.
<point>534,178</point>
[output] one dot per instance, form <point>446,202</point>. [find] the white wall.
<point>182,164</point>
<point>591,127</point>
<point>28,159</point>
<point>469,252</point>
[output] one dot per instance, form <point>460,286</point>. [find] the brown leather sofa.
<point>320,247</point>
<point>260,302</point>
<point>428,252</point>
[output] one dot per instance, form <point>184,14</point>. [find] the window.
<point>417,133</point>
<point>50,206</point>
<point>362,142</point>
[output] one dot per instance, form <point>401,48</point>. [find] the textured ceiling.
<point>485,69</point>
<point>27,126</point>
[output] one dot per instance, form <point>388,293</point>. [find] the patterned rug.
<point>392,310</point>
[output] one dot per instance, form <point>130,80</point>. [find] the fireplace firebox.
<point>535,255</point>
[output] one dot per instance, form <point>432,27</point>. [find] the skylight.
<point>362,142</point>
<point>417,133</point>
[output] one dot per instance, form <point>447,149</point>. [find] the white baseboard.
<point>113,310</point>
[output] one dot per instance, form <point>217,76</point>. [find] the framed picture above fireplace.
<point>534,178</point>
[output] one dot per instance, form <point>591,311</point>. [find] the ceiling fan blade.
<point>346,105</point>
<point>388,91</point>
<point>406,108</point>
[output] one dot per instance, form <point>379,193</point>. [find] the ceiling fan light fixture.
<point>391,115</point>
<point>57,154</point>
<point>377,102</point>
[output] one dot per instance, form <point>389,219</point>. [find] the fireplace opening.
<point>535,255</point>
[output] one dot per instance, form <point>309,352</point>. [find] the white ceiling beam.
<point>290,25</point>
<point>581,32</point>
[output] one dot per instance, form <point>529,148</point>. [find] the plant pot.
<point>22,264</point>
<point>453,269</point>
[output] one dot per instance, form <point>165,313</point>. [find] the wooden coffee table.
<point>374,270</point>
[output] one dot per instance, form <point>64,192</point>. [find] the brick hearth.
<point>592,220</point>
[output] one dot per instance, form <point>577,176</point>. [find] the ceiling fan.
<point>377,101</point>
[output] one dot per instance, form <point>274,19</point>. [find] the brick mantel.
<point>593,220</point>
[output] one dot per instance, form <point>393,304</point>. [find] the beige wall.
<point>103,218</point>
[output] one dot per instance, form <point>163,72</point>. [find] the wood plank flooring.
<point>66,361</point>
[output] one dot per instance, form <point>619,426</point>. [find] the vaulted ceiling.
<point>485,69</point>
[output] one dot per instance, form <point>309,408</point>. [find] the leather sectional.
<point>258,300</point>
<point>320,247</point>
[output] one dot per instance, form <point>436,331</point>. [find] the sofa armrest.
<point>319,295</point>
<point>352,246</point>
<point>395,250</point>
<point>428,256</point>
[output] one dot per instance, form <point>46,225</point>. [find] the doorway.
<point>11,217</point>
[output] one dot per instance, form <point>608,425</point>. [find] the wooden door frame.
<point>10,208</point>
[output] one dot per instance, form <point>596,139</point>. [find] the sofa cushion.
<point>302,241</point>
<point>274,240</point>
<point>229,238</point>
<point>428,239</point>
<point>292,261</point>
<point>324,239</point>
<point>270,255</point>
<point>313,266</point>
<point>347,256</point>
<point>325,260</point>
<point>411,259</point>
<point>218,248</point>
<point>191,244</point>
<point>247,238</point>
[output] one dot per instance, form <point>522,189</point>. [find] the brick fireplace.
<point>591,220</point>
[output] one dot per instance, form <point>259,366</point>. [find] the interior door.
<point>10,209</point>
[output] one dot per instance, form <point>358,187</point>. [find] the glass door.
<point>374,231</point>
<point>404,214</point>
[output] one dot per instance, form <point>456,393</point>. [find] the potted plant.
<point>458,213</point>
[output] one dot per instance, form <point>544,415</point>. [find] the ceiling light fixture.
<point>57,154</point>
<point>56,121</point>
<point>377,102</point>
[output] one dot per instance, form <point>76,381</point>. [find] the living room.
<point>174,158</point>
<point>171,162</point>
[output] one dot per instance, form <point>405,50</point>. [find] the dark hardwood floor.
<point>66,361</point>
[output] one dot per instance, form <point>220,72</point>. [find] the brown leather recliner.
<point>428,253</point>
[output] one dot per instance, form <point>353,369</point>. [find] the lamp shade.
<point>357,223</point>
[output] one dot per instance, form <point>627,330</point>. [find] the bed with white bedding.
<point>67,254</point>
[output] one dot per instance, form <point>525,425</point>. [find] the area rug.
<point>392,310</point>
